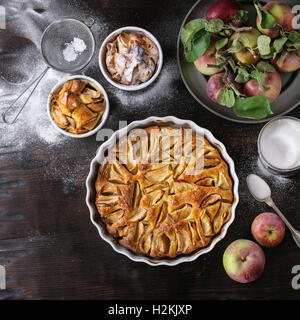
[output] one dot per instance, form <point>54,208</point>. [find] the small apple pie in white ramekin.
<point>78,106</point>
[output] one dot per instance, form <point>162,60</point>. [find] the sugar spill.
<point>33,124</point>
<point>33,129</point>
<point>163,87</point>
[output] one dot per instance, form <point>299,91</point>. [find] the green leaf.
<point>279,43</point>
<point>294,36</point>
<point>267,21</point>
<point>264,66</point>
<point>221,43</point>
<point>272,54</point>
<point>190,29</point>
<point>263,44</point>
<point>257,107</point>
<point>244,39</point>
<point>232,65</point>
<point>290,44</point>
<point>214,25</point>
<point>236,46</point>
<point>242,76</point>
<point>200,44</point>
<point>226,97</point>
<point>281,59</point>
<point>221,63</point>
<point>259,76</point>
<point>241,16</point>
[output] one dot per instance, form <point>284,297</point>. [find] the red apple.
<point>217,82</point>
<point>283,14</point>
<point>224,10</point>
<point>272,81</point>
<point>209,57</point>
<point>287,61</point>
<point>244,261</point>
<point>268,229</point>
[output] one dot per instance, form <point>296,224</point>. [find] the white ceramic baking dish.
<point>100,156</point>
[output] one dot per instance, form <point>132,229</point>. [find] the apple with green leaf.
<point>243,45</point>
<point>283,18</point>
<point>208,58</point>
<point>270,87</point>
<point>287,61</point>
<point>244,261</point>
<point>219,81</point>
<point>228,11</point>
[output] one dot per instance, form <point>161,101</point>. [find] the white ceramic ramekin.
<point>102,56</point>
<point>56,89</point>
<point>100,156</point>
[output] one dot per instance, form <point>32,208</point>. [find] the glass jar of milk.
<point>279,145</point>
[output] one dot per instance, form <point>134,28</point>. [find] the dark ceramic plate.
<point>196,82</point>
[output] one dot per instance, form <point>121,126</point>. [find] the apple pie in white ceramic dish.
<point>130,58</point>
<point>161,194</point>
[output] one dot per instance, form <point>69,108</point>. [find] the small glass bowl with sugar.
<point>279,146</point>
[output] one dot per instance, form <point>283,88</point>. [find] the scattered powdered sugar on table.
<point>49,135</point>
<point>74,49</point>
<point>33,124</point>
<point>68,175</point>
<point>277,181</point>
<point>162,87</point>
<point>33,128</point>
<point>279,185</point>
<point>254,165</point>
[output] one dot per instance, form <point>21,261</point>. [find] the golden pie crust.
<point>167,206</point>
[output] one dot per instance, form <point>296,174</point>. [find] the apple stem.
<point>236,29</point>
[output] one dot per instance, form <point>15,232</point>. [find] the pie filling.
<point>131,58</point>
<point>78,107</point>
<point>162,192</point>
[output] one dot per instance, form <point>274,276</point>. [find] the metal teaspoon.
<point>268,200</point>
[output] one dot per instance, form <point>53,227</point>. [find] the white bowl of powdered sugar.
<point>130,58</point>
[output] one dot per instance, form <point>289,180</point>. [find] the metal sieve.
<point>53,42</point>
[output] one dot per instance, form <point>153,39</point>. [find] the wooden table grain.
<point>48,245</point>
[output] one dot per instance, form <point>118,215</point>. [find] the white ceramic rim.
<point>58,86</point>
<point>102,53</point>
<point>170,120</point>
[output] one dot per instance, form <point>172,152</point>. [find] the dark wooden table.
<point>48,245</point>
